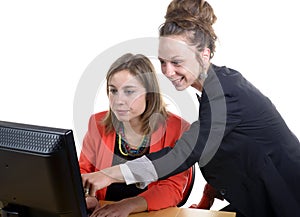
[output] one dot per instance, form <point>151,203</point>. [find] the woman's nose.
<point>168,70</point>
<point>119,98</point>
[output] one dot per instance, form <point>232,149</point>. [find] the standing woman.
<point>245,150</point>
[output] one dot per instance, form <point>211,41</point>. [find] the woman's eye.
<point>176,63</point>
<point>113,91</point>
<point>128,92</point>
<point>162,61</point>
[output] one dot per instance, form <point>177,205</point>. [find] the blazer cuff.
<point>140,171</point>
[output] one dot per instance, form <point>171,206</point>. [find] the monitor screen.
<point>39,172</point>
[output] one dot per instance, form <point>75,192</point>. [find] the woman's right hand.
<point>91,203</point>
<point>95,181</point>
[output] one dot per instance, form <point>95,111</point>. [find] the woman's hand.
<point>121,208</point>
<point>117,209</point>
<point>91,203</point>
<point>95,181</point>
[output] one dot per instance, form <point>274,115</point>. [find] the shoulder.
<point>98,116</point>
<point>235,84</point>
<point>226,81</point>
<point>225,71</point>
<point>174,118</point>
<point>95,121</point>
<point>226,76</point>
<point>176,121</point>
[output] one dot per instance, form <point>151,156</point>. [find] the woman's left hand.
<point>117,209</point>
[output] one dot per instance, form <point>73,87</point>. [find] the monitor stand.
<point>12,210</point>
<point>9,212</point>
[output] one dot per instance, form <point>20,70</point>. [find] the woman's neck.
<point>198,84</point>
<point>133,127</point>
<point>133,133</point>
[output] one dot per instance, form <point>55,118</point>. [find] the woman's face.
<point>178,61</point>
<point>127,96</point>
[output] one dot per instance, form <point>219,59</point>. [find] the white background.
<point>45,46</point>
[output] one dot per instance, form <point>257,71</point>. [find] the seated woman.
<point>136,123</point>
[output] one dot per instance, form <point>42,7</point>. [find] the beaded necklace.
<point>125,148</point>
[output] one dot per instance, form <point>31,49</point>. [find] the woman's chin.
<point>180,87</point>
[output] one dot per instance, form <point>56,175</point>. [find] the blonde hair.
<point>141,67</point>
<point>192,19</point>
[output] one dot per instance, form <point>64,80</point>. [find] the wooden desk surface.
<point>182,212</point>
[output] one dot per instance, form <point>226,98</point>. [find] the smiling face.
<point>127,96</point>
<point>179,62</point>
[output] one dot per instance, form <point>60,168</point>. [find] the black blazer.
<point>243,146</point>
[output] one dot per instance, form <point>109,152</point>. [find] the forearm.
<point>135,204</point>
<point>181,157</point>
<point>114,173</point>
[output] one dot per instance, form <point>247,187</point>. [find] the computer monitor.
<point>39,172</point>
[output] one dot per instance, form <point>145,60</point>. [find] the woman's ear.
<point>206,55</point>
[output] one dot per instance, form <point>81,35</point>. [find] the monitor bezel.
<point>62,179</point>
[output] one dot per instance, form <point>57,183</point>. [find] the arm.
<point>140,170</point>
<point>159,196</point>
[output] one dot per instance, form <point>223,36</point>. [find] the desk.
<point>181,212</point>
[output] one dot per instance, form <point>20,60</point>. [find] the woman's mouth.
<point>177,82</point>
<point>122,112</point>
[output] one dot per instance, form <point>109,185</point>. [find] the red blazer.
<point>98,149</point>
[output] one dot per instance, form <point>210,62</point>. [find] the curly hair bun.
<point>190,14</point>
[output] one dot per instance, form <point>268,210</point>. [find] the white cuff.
<point>140,171</point>
<point>127,174</point>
